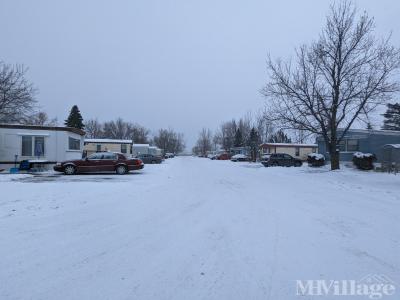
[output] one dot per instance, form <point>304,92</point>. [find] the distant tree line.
<point>248,132</point>
<point>169,140</point>
<point>166,139</point>
<point>117,129</point>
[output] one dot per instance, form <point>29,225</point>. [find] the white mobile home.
<point>49,144</point>
<point>140,149</point>
<point>155,151</point>
<point>100,145</point>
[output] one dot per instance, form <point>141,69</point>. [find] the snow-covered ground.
<point>193,228</point>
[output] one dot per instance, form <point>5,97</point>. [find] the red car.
<point>100,162</point>
<point>223,156</point>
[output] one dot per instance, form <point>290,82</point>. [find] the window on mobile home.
<point>32,146</point>
<point>74,144</point>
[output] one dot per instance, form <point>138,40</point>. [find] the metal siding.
<point>368,143</point>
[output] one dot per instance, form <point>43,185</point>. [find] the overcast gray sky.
<point>181,64</point>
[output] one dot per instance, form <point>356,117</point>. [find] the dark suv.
<point>150,159</point>
<point>282,160</point>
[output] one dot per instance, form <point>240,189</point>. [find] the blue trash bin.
<point>24,165</point>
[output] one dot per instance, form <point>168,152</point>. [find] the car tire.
<point>298,164</point>
<point>121,170</point>
<point>69,170</point>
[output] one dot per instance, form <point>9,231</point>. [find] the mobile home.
<point>299,151</point>
<point>47,144</point>
<point>362,140</point>
<point>140,149</point>
<point>112,145</point>
<point>155,151</point>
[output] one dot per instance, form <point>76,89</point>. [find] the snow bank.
<point>316,156</point>
<point>397,146</point>
<point>363,155</point>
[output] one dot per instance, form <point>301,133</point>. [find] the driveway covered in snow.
<point>193,228</point>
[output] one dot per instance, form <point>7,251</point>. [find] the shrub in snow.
<point>315,160</point>
<point>364,161</point>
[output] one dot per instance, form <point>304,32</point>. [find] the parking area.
<point>59,177</point>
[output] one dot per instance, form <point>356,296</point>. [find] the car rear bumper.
<point>58,168</point>
<point>136,167</point>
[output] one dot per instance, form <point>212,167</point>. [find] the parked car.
<point>282,160</point>
<point>150,158</point>
<point>211,155</point>
<point>222,156</point>
<point>169,155</point>
<point>265,157</point>
<point>100,162</point>
<point>240,157</point>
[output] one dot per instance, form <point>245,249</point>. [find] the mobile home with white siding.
<point>49,144</point>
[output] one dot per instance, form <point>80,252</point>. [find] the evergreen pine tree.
<point>254,140</point>
<point>392,117</point>
<point>75,118</point>
<point>238,138</point>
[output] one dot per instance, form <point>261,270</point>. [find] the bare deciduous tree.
<point>265,127</point>
<point>93,129</point>
<point>204,142</point>
<point>41,118</point>
<point>216,140</point>
<point>335,81</point>
<point>139,134</point>
<point>116,129</point>
<point>227,134</point>
<point>169,141</point>
<point>244,126</point>
<point>279,137</point>
<point>17,94</point>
